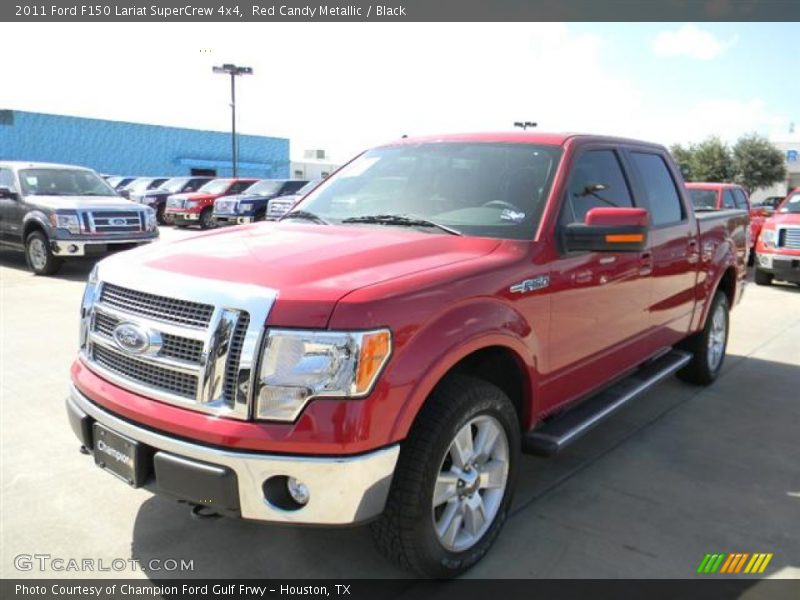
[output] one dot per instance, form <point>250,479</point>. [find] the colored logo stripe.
<point>734,563</point>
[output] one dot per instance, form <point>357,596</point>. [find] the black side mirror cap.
<point>8,193</point>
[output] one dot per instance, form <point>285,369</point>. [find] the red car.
<point>778,247</point>
<point>719,196</point>
<point>197,208</point>
<point>387,348</point>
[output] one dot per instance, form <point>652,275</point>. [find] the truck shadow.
<point>72,270</point>
<point>663,434</point>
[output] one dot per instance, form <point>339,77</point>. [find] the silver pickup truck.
<point>53,212</point>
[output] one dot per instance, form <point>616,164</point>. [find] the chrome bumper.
<point>343,491</point>
<point>78,248</point>
<point>186,216</point>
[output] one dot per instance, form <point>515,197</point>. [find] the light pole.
<point>525,124</point>
<point>233,71</point>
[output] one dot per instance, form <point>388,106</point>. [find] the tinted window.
<point>291,187</point>
<point>596,180</point>
<point>660,190</point>
<point>239,186</point>
<point>727,200</point>
<point>703,199</point>
<point>740,199</point>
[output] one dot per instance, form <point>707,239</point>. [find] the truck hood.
<point>194,196</point>
<point>82,202</point>
<point>784,219</point>
<point>310,266</point>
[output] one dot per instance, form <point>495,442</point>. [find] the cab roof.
<point>21,164</point>
<point>517,137</point>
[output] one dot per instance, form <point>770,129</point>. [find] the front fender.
<point>444,341</point>
<point>40,218</point>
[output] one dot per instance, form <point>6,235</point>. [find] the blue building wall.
<point>119,148</point>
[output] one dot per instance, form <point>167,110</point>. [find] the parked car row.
<point>209,201</point>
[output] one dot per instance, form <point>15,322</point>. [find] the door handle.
<point>646,260</point>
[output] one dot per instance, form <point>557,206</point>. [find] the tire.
<point>38,255</point>
<point>708,346</point>
<point>763,278</point>
<point>160,219</point>
<point>207,219</point>
<point>406,531</point>
<point>260,216</point>
<point>751,257</point>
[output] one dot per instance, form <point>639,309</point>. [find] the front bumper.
<point>233,219</point>
<point>95,247</point>
<point>784,267</point>
<point>183,216</point>
<point>343,490</point>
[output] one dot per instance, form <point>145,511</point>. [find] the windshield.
<point>217,186</point>
<point>703,199</point>
<point>174,185</point>
<point>264,187</point>
<point>481,189</point>
<point>137,186</point>
<point>791,204</point>
<point>63,182</point>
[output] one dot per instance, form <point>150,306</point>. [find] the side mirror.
<point>608,230</point>
<point>7,192</point>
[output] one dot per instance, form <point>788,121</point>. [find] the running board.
<point>553,435</point>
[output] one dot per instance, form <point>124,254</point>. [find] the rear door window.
<point>597,180</point>
<point>661,193</point>
<point>727,200</point>
<point>7,179</point>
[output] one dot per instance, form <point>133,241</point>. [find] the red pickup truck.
<point>721,196</point>
<point>387,349</point>
<point>197,208</point>
<point>778,248</point>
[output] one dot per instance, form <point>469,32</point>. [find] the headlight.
<point>68,222</point>
<point>89,297</point>
<point>150,219</point>
<point>768,237</point>
<point>192,203</point>
<point>245,207</point>
<point>297,366</point>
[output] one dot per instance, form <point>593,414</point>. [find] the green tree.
<point>757,162</point>
<point>683,156</point>
<point>711,160</point>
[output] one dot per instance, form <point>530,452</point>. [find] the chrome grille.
<point>176,202</point>
<point>789,238</point>
<point>180,384</point>
<point>116,221</point>
<point>234,353</point>
<point>157,307</point>
<point>173,346</point>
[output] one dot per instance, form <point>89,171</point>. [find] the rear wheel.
<point>708,346</point>
<point>763,278</point>
<point>454,480</point>
<point>39,256</point>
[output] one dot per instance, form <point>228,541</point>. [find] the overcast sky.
<point>344,87</point>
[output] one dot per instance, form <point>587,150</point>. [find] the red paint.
<point>204,200</point>
<point>780,218</point>
<point>757,215</point>
<point>635,217</point>
<point>445,297</point>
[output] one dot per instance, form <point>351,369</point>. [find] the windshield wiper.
<point>304,215</point>
<point>401,220</point>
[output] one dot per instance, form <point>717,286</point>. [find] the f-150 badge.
<point>530,285</point>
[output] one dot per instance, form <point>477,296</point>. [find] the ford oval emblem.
<point>117,222</point>
<point>131,338</point>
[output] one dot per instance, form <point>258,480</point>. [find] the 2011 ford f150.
<point>387,349</point>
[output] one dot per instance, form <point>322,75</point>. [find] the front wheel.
<point>762,277</point>
<point>708,347</point>
<point>39,256</point>
<point>207,219</point>
<point>454,480</point>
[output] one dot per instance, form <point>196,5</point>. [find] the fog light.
<point>298,490</point>
<point>72,248</point>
